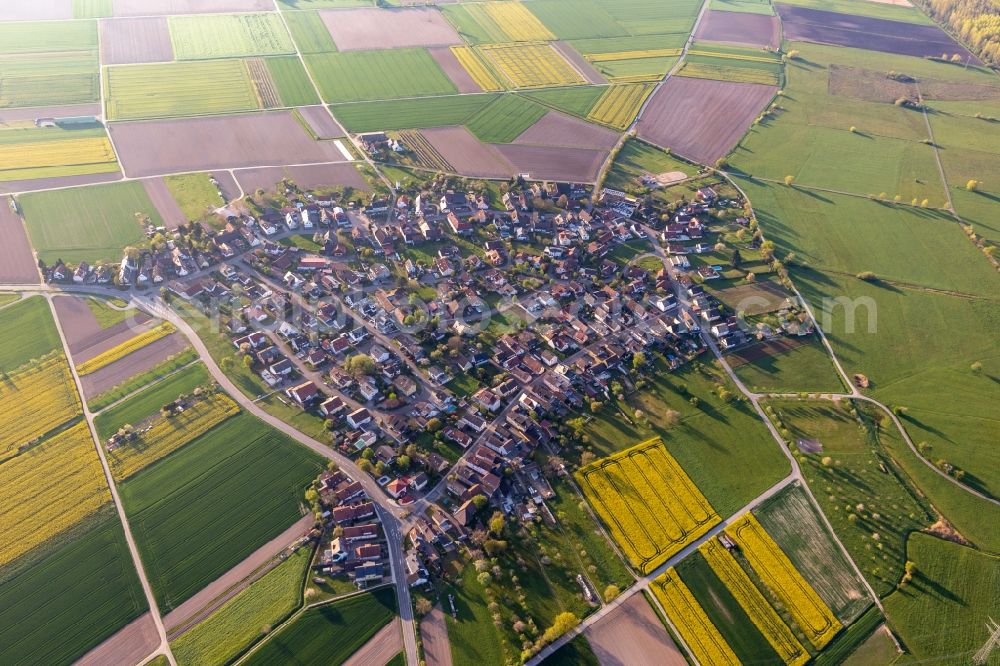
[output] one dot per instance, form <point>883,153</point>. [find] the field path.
<point>154,609</point>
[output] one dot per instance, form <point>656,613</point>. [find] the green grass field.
<point>633,43</point>
<point>377,75</point>
<point>940,614</point>
<point>638,158</point>
<point>50,78</point>
<point>743,6</point>
<point>647,17</point>
<point>577,101</point>
<point>804,368</point>
<point>87,223</point>
<point>44,37</point>
<point>80,593</point>
<point>292,81</point>
<point>84,9</point>
<point>856,478</point>
<point>28,332</point>
<point>309,32</point>
<point>138,381</point>
<point>576,19</point>
<point>228,36</point>
<point>147,403</point>
<point>409,113</point>
<point>237,624</point>
<point>636,69</point>
<point>179,89</point>
<point>471,634</point>
<point>202,510</point>
<point>725,612</point>
<point>505,119</point>
<point>331,633</point>
<point>194,193</point>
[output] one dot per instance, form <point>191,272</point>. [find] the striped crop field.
<point>211,36</point>
<point>808,611</point>
<point>40,159</point>
<point>633,55</point>
<point>425,154</point>
<point>721,72</point>
<point>517,22</point>
<point>124,349</point>
<point>48,489</point>
<point>179,89</point>
<point>532,65</point>
<point>620,104</point>
<point>477,70</point>
<point>688,617</point>
<point>649,504</point>
<point>757,608</point>
<point>35,400</point>
<point>167,434</point>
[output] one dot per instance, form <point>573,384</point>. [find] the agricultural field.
<point>861,490</point>
<point>179,89</point>
<point>784,368</point>
<point>36,399</point>
<point>291,81</point>
<point>576,19</point>
<point>151,399</point>
<point>309,32</point>
<point>122,350</point>
<point>690,621</point>
<point>329,633</point>
<point>237,624</point>
<point>34,509</point>
<point>423,152</point>
<point>498,22</point>
<point>74,596</point>
<point>638,159</point>
<point>28,332</point>
<point>44,79</point>
<point>650,506</point>
<point>577,101</point>
<point>410,113</point>
<point>620,104</point>
<point>774,568</point>
<point>940,613</point>
<point>378,75</point>
<point>199,512</point>
<point>725,69</point>
<point>228,36</point>
<point>172,364</point>
<point>531,65</point>
<point>194,193</point>
<point>47,153</point>
<point>505,119</point>
<point>476,68</point>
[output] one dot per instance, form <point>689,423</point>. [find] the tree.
<point>827,461</point>
<point>403,463</point>
<point>560,625</point>
<point>479,501</point>
<point>497,523</point>
<point>424,606</point>
<point>484,578</point>
<point>854,130</point>
<point>972,185</point>
<point>977,368</point>
<point>639,360</point>
<point>867,276</point>
<point>610,592</point>
<point>360,365</point>
<point>736,259</point>
<point>789,180</point>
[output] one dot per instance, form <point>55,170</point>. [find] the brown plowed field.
<point>380,648</point>
<point>467,154</point>
<point>580,63</point>
<point>230,188</point>
<point>156,147</point>
<point>135,363</point>
<point>368,28</point>
<point>85,337</point>
<point>168,7</point>
<point>549,163</point>
<point>701,119</point>
<point>802,24</point>
<point>434,634</point>
<point>165,204</point>
<point>17,263</point>
<point>10,115</point>
<point>130,645</point>
<point>135,40</point>
<point>558,129</point>
<point>632,634</point>
<point>740,28</point>
<point>35,10</point>
<point>321,122</point>
<point>10,186</point>
<point>447,61</point>
<point>309,177</point>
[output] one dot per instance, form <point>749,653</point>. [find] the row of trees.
<point>976,22</point>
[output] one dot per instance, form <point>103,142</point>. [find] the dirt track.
<point>740,28</point>
<point>17,263</point>
<point>380,648</point>
<point>135,363</point>
<point>356,29</point>
<point>558,129</point>
<point>702,120</point>
<point>633,635</point>
<point>156,147</point>
<point>129,645</point>
<point>165,204</point>
<point>434,632</point>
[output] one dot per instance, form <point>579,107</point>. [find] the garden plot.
<point>740,28</point>
<point>202,144</point>
<point>135,40</point>
<point>649,504</point>
<point>368,28</point>
<point>702,119</point>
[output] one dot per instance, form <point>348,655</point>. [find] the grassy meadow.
<point>410,113</point>
<point>28,332</point>
<point>376,75</point>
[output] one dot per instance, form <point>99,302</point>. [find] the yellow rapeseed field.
<point>124,349</point>
<point>167,435</point>
<point>48,489</point>
<point>632,55</point>
<point>519,24</point>
<point>476,69</point>
<point>757,608</point>
<point>620,104</point>
<point>698,632</point>
<point>650,506</point>
<point>38,154</point>
<point>808,611</point>
<point>532,65</point>
<point>34,400</point>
